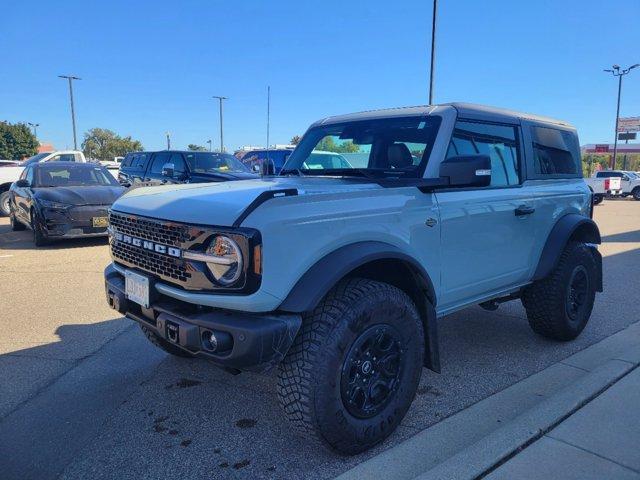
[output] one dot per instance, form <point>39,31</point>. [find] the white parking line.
<point>5,256</point>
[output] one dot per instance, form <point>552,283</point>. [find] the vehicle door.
<point>22,195</point>
<point>487,233</point>
<point>166,167</point>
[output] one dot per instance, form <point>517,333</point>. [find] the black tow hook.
<point>118,302</point>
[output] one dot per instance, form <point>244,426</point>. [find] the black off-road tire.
<point>636,193</point>
<point>313,374</point>
<point>39,237</point>
<point>163,344</point>
<point>549,303</point>
<point>597,199</point>
<point>16,225</point>
<point>5,209</point>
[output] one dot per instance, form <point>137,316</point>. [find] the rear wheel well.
<point>585,233</point>
<point>4,187</point>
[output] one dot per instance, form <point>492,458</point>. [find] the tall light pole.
<point>209,142</point>
<point>221,134</point>
<point>616,71</point>
<point>71,78</point>
<point>35,128</point>
<point>168,141</point>
<point>433,49</point>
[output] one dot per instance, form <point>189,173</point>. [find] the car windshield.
<point>73,175</point>
<point>209,162</point>
<point>390,147</point>
<point>35,159</point>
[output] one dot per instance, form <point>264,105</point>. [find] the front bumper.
<point>247,341</point>
<point>74,222</point>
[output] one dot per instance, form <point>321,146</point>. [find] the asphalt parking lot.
<point>83,395</point>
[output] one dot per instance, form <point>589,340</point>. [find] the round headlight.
<point>226,262</point>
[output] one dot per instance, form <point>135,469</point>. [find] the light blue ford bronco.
<point>336,272</point>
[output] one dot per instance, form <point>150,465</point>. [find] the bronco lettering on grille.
<point>148,245</point>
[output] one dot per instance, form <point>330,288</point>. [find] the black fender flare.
<point>569,226</point>
<point>329,270</point>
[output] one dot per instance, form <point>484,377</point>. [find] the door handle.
<point>523,210</point>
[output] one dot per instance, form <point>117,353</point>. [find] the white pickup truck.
<point>10,172</point>
<point>604,183</point>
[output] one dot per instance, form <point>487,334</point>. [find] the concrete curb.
<point>464,446</point>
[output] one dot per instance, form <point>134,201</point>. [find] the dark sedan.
<point>63,200</point>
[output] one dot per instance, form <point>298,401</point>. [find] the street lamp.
<point>35,128</point>
<point>71,78</point>
<point>209,142</point>
<point>221,136</point>
<point>616,71</point>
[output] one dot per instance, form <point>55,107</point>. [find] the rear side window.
<point>555,152</point>
<point>608,174</point>
<point>126,162</point>
<point>499,142</point>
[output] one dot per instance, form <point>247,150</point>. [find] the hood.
<point>90,195</point>
<point>8,163</point>
<point>222,203</point>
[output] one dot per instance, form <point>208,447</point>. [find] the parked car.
<point>171,166</point>
<point>268,161</point>
<point>9,173</point>
<point>336,275</point>
<point>63,200</point>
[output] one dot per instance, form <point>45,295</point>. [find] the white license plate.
<point>136,288</point>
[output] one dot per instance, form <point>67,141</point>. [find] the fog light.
<point>216,341</point>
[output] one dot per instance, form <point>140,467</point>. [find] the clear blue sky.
<point>148,67</point>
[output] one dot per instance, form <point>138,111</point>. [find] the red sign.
<point>602,148</point>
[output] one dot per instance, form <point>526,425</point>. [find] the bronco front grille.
<point>161,265</point>
<point>166,233</point>
<point>188,274</point>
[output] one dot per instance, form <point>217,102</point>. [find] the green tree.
<point>196,148</point>
<point>16,141</point>
<point>103,144</point>
<point>328,144</point>
<point>295,140</point>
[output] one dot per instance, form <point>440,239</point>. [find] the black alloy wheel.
<point>577,293</point>
<point>371,371</point>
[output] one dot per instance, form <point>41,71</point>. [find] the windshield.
<point>390,147</point>
<point>35,159</point>
<point>209,162</point>
<point>73,175</point>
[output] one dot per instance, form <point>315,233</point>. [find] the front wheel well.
<point>4,187</point>
<point>406,277</point>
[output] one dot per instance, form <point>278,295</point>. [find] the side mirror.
<point>467,170</point>
<point>22,183</point>
<point>256,168</point>
<point>168,170</point>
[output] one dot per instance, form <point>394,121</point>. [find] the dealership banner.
<point>629,124</point>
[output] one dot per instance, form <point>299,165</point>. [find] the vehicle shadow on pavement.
<point>626,237</point>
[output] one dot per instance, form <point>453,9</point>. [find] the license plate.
<point>137,288</point>
<point>100,221</point>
